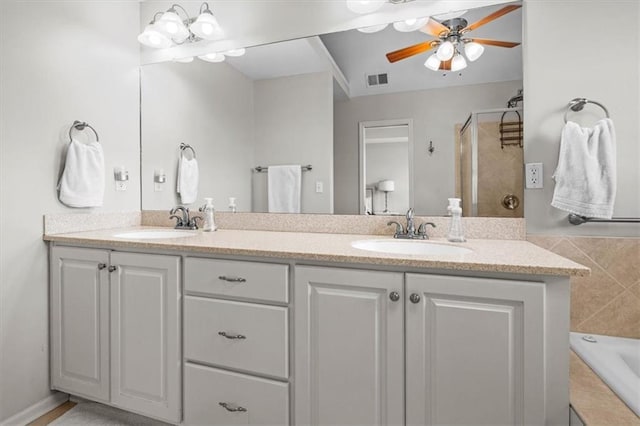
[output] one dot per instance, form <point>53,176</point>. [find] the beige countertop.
<point>592,399</point>
<point>508,256</point>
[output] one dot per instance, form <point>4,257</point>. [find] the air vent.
<point>377,79</point>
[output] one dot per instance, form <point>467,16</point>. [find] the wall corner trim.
<point>36,410</point>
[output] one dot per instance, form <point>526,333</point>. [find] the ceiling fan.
<point>451,37</point>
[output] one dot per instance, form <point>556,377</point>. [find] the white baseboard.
<point>38,409</point>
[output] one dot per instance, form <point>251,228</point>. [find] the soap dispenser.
<point>209,221</point>
<point>456,234</point>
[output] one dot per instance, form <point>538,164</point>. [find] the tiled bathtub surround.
<point>608,301</point>
<point>60,223</point>
<point>474,227</point>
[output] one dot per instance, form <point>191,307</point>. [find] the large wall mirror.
<point>319,102</point>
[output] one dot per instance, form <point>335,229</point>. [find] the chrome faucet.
<point>184,222</point>
<point>410,233</point>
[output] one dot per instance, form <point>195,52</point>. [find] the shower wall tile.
<point>608,301</point>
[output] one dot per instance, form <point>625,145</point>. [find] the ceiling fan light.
<point>206,26</point>
<point>171,24</point>
<point>458,63</point>
<point>235,52</point>
<point>153,37</point>
<point>445,51</point>
<point>373,28</point>
<point>410,24</point>
<point>473,50</point>
<point>212,57</point>
<point>364,6</point>
<point>432,62</point>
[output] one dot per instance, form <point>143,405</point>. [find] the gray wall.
<point>434,113</point>
<point>206,105</point>
<point>559,67</point>
<point>294,125</point>
<point>61,61</point>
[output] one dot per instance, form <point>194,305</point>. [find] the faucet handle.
<point>422,229</point>
<point>178,219</point>
<point>399,227</point>
<point>193,222</point>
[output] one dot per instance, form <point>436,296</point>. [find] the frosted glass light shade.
<point>235,52</point>
<point>445,51</point>
<point>432,62</point>
<point>206,27</point>
<point>212,57</point>
<point>409,25</point>
<point>153,37</point>
<point>186,60</point>
<point>473,50</point>
<point>386,186</point>
<point>365,6</point>
<point>373,28</point>
<point>171,24</point>
<point>458,63</point>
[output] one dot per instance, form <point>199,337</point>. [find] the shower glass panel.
<point>490,163</point>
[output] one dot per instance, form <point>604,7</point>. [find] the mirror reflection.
<point>323,102</point>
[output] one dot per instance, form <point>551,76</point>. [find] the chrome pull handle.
<point>101,266</point>
<point>232,279</point>
<point>112,268</point>
<point>414,298</point>
<point>394,296</point>
<point>232,336</point>
<point>233,408</point>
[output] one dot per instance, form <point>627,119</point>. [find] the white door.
<point>80,321</point>
<point>145,334</point>
<point>475,351</point>
<point>349,366</point>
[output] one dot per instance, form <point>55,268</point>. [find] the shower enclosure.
<point>490,158</point>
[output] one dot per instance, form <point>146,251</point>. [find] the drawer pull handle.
<point>231,336</point>
<point>101,266</point>
<point>233,409</point>
<point>232,279</point>
<point>112,268</point>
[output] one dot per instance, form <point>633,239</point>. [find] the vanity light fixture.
<point>235,52</point>
<point>169,28</point>
<point>212,57</point>
<point>409,25</point>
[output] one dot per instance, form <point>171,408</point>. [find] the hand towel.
<point>284,183</point>
<point>586,173</point>
<point>188,178</point>
<point>82,181</point>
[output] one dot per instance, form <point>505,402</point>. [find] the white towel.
<point>188,178</point>
<point>82,181</point>
<point>283,188</point>
<point>586,173</point>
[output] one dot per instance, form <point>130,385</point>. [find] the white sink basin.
<point>155,234</point>
<point>409,247</point>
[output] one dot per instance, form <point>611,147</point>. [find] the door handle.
<point>414,298</point>
<point>112,268</point>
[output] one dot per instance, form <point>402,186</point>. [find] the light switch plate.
<point>319,187</point>
<point>533,175</point>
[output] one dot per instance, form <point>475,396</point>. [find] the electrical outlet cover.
<point>533,175</point>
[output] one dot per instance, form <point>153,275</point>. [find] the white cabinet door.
<point>475,351</point>
<point>80,321</point>
<point>349,366</point>
<point>145,334</point>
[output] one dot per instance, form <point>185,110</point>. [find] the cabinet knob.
<point>232,279</point>
<point>112,268</point>
<point>415,298</point>
<point>101,266</point>
<point>232,336</point>
<point>394,296</point>
<point>232,407</point>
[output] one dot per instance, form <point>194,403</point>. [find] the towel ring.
<point>184,146</point>
<point>578,104</point>
<point>81,125</point>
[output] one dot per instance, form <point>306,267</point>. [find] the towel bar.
<point>263,169</point>
<point>578,104</point>
<point>81,125</point>
<point>575,219</point>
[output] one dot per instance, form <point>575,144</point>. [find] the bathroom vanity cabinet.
<point>115,329</point>
<point>270,340</point>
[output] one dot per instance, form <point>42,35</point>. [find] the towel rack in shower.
<point>575,219</point>
<point>81,125</point>
<point>578,104</point>
<point>263,169</point>
<point>184,146</point>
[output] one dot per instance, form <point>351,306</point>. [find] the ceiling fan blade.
<point>495,15</point>
<point>445,65</point>
<point>407,52</point>
<point>498,43</point>
<point>434,28</point>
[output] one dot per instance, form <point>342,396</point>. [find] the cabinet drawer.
<point>265,401</point>
<point>262,348</point>
<point>231,278</point>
